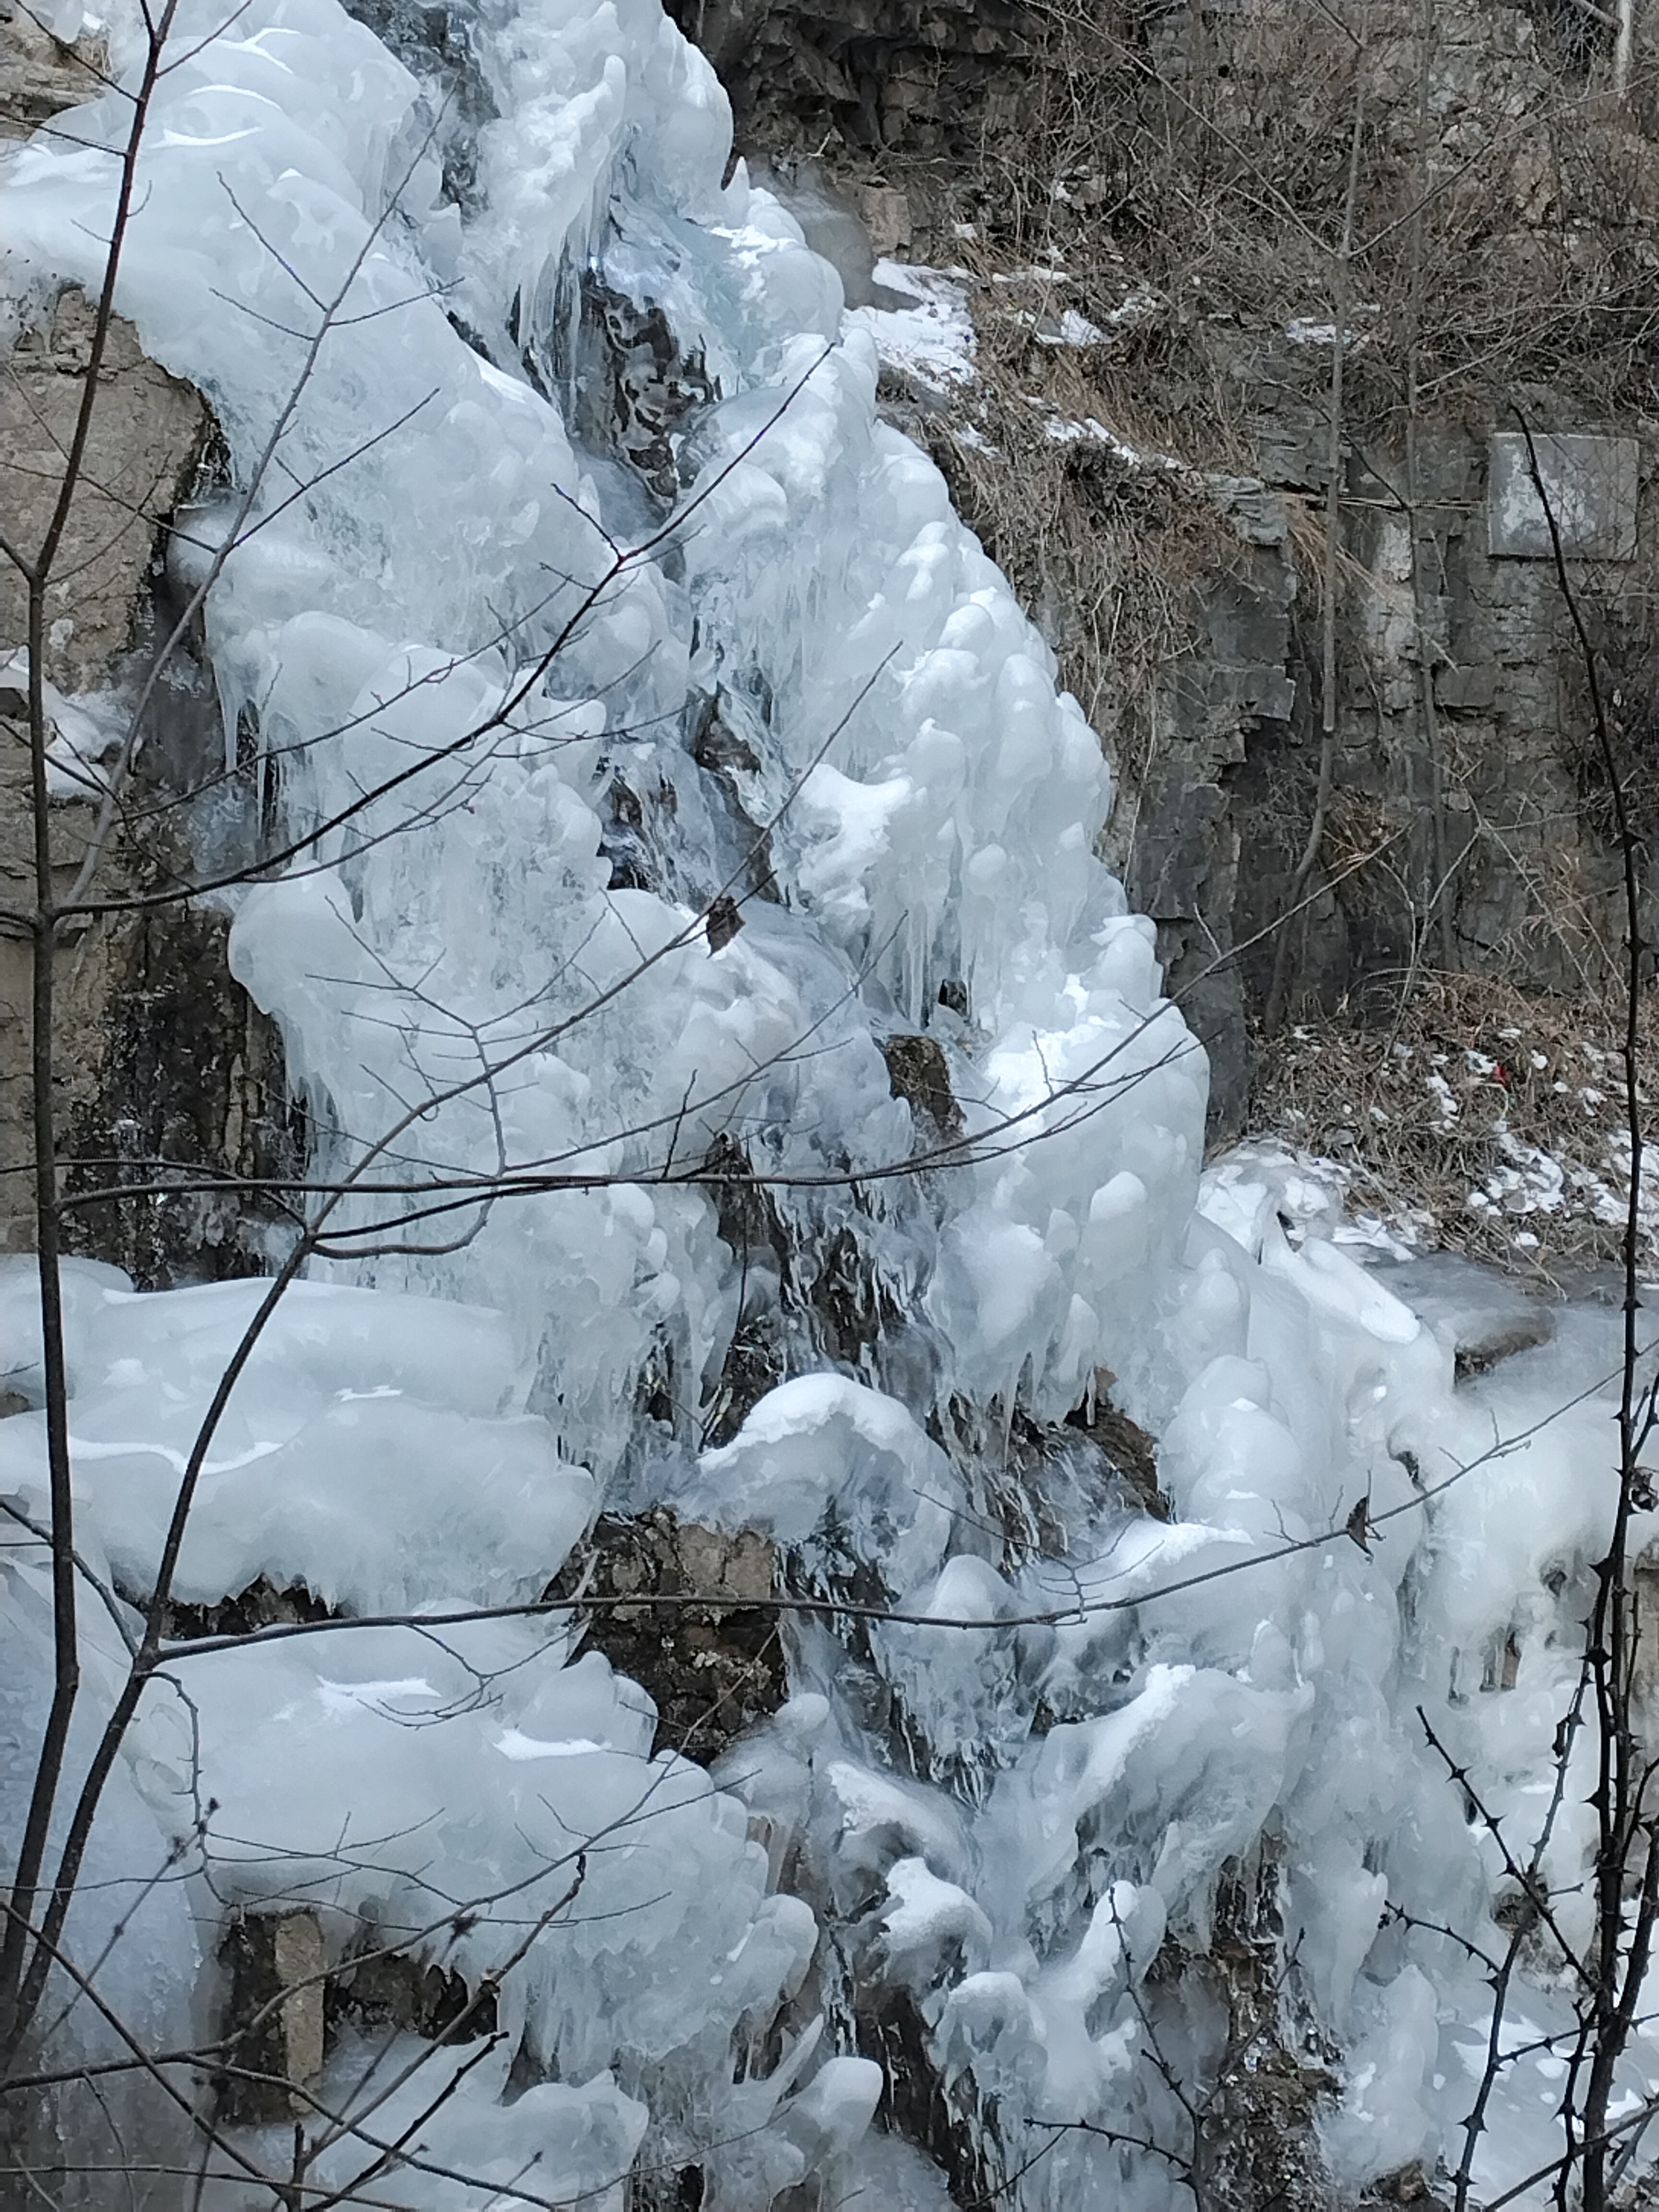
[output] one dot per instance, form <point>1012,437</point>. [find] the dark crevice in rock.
<point>375,1991</point>
<point>680,2189</point>
<point>261,1605</point>
<point>1126,1447</point>
<point>629,840</point>
<point>843,1314</point>
<point>853,1306</point>
<point>1037,1484</point>
<point>191,1090</point>
<point>1269,2086</point>
<point>915,2101</point>
<point>725,754</point>
<point>757,1359</point>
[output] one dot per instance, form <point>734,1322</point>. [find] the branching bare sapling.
<point>380,1194</point>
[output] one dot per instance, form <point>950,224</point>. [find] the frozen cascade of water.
<point>1015,1841</point>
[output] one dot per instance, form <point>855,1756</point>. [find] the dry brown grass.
<point>1509,234</point>
<point>1484,1119</point>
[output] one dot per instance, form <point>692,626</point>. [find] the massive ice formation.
<point>576,585</point>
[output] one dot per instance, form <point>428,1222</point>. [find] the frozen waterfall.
<point>584,608</point>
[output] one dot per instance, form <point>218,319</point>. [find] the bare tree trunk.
<point>36,569</point>
<point>1439,909</point>
<point>1627,1819</point>
<point>1342,302</point>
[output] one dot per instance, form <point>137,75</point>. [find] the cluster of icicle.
<point>1051,1812</point>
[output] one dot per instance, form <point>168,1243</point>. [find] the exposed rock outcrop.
<point>160,1054</point>
<point>146,439</point>
<point>925,74</point>
<point>40,75</point>
<point>712,1670</point>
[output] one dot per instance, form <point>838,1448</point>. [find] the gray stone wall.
<point>1464,757</point>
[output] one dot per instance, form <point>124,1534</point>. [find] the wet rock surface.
<point>921,1075</point>
<point>712,1671</point>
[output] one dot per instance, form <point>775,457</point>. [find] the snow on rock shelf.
<point>552,730</point>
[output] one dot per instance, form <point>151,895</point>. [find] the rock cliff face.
<point>924,76</point>
<point>160,1055</point>
<point>39,76</point>
<point>1182,179</point>
<point>1467,826</point>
